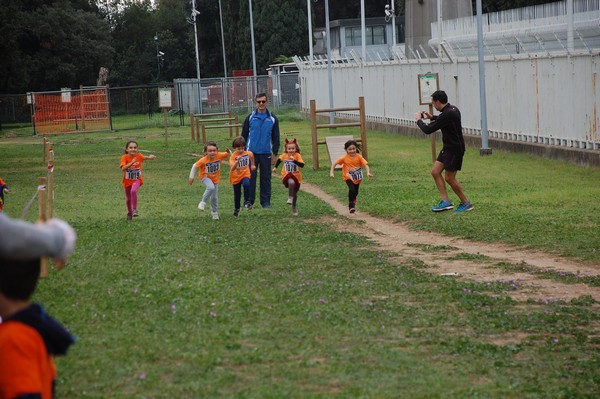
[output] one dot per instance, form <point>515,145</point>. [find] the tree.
<point>51,44</point>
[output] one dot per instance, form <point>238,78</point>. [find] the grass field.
<point>176,305</point>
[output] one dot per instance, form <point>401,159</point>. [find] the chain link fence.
<point>137,106</point>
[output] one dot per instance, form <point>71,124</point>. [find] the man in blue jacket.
<point>261,132</point>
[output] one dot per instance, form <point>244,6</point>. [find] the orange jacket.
<point>26,367</point>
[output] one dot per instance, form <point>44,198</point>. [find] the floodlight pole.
<point>157,57</point>
<point>253,49</point>
<point>485,149</point>
<point>310,32</point>
<point>194,14</point>
<point>329,74</point>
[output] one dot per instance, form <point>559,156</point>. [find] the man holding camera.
<point>451,156</point>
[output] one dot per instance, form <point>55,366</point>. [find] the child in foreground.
<point>291,173</point>
<point>209,167</point>
<point>3,190</point>
<point>29,337</point>
<point>131,165</point>
<point>242,165</point>
<point>352,171</point>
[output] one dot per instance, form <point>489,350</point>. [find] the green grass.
<point>174,304</point>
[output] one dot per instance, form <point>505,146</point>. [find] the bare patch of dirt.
<point>466,259</point>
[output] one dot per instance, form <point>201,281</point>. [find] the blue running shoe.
<point>465,207</point>
<point>443,206</point>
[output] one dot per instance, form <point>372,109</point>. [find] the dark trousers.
<point>237,193</point>
<point>263,167</point>
<point>352,193</point>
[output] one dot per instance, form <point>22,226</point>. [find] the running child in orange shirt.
<point>209,167</point>
<point>242,165</point>
<point>291,173</point>
<point>3,190</point>
<point>131,165</point>
<point>352,171</point>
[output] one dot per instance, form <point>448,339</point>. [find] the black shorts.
<point>452,160</point>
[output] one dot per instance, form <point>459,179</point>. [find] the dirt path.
<point>482,258</point>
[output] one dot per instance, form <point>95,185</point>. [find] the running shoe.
<point>294,210</point>
<point>290,200</point>
<point>443,206</point>
<point>129,216</point>
<point>215,215</point>
<point>134,213</point>
<point>248,205</point>
<point>236,212</point>
<point>464,207</point>
<point>202,205</point>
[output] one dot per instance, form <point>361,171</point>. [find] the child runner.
<point>291,173</point>
<point>131,165</point>
<point>29,337</point>
<point>210,175</point>
<point>352,164</point>
<point>3,190</point>
<point>242,165</point>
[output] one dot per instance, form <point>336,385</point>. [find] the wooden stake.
<point>42,217</point>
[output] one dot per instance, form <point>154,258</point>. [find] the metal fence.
<point>209,95</point>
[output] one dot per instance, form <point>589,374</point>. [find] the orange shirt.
<point>25,365</point>
<point>288,166</point>
<point>243,160</point>
<point>352,167</point>
<point>211,168</point>
<point>135,171</point>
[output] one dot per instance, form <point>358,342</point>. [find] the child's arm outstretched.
<point>368,171</point>
<point>332,169</point>
<point>192,174</point>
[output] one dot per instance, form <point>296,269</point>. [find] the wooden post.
<point>197,130</point>
<point>45,143</point>
<point>192,126</point>
<point>313,130</point>
<point>50,190</point>
<point>166,124</point>
<point>363,127</point>
<point>42,218</point>
<point>203,134</point>
<point>433,151</point>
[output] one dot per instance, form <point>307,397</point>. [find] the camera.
<point>423,115</point>
<point>388,13</point>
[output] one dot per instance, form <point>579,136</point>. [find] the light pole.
<point>194,14</point>
<point>329,73</point>
<point>390,13</point>
<point>222,41</point>
<point>253,49</point>
<point>159,55</point>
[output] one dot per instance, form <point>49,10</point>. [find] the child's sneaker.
<point>443,206</point>
<point>290,200</point>
<point>248,206</point>
<point>294,210</point>
<point>215,215</point>
<point>202,205</point>
<point>129,216</point>
<point>464,207</point>
<point>134,213</point>
<point>352,210</point>
<point>236,212</point>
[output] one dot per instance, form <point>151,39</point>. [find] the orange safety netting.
<point>81,111</point>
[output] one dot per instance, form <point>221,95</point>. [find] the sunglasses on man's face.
<point>261,101</point>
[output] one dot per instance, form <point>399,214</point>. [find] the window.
<point>373,35</point>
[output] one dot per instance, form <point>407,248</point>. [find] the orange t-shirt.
<point>243,161</point>
<point>26,367</point>
<point>352,167</point>
<point>288,166</point>
<point>211,168</point>
<point>135,171</point>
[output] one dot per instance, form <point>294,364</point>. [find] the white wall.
<point>542,98</point>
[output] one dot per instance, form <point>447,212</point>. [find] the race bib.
<point>356,174</point>
<point>290,166</point>
<point>213,167</point>
<point>244,161</point>
<point>133,174</point>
